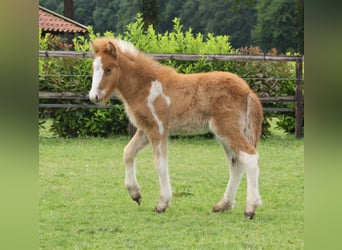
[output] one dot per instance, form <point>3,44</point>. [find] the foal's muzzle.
<point>97,96</point>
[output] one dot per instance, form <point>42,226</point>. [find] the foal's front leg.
<point>138,142</point>
<point>160,159</point>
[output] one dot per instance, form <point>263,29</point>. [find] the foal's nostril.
<point>96,98</point>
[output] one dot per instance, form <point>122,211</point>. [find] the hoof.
<point>249,215</point>
<point>220,207</point>
<point>161,207</point>
<point>137,199</point>
<point>217,209</point>
<point>158,210</point>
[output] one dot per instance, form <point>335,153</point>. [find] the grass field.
<point>84,204</point>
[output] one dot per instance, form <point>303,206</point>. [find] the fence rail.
<point>181,57</point>
<point>298,99</point>
<point>79,97</point>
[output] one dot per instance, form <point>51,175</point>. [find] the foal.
<point>161,102</point>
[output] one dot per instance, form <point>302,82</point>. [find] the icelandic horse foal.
<point>161,102</point>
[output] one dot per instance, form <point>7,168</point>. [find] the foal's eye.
<point>108,71</point>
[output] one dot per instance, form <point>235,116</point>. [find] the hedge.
<point>74,75</point>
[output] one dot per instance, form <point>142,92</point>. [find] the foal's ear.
<point>112,49</point>
<point>94,47</point>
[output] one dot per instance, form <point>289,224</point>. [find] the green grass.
<point>84,203</point>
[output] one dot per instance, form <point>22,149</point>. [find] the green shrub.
<point>287,122</point>
<point>270,79</point>
<point>90,122</point>
<point>74,75</point>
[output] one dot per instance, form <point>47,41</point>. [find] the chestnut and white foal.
<point>161,102</point>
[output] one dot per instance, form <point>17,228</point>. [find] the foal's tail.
<point>254,119</point>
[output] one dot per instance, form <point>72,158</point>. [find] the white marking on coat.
<point>164,179</point>
<point>250,162</point>
<point>97,77</point>
<point>156,90</point>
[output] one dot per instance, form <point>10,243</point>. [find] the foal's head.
<point>106,70</point>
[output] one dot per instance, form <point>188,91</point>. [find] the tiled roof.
<point>50,21</point>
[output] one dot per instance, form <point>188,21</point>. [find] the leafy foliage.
<point>263,23</point>
<point>74,75</point>
<point>90,122</point>
<point>279,25</point>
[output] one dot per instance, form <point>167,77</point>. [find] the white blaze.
<point>95,92</point>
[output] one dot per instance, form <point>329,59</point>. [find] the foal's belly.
<point>189,126</point>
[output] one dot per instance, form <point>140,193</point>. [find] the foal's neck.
<point>137,73</point>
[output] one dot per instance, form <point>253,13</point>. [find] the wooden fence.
<point>298,99</point>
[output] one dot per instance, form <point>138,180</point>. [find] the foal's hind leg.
<point>239,162</point>
<point>242,156</point>
<point>250,161</point>
<point>138,142</point>
<point>235,174</point>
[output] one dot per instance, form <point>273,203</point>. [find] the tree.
<point>276,25</point>
<point>69,9</point>
<point>149,10</point>
<point>69,12</point>
<point>221,17</point>
<point>104,15</point>
<point>191,15</point>
<point>54,5</point>
<point>84,11</point>
<point>300,25</point>
<point>169,10</point>
<point>126,13</point>
<point>263,23</point>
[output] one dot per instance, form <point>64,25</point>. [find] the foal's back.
<point>196,98</point>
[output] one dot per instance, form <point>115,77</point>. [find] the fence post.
<point>299,99</point>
